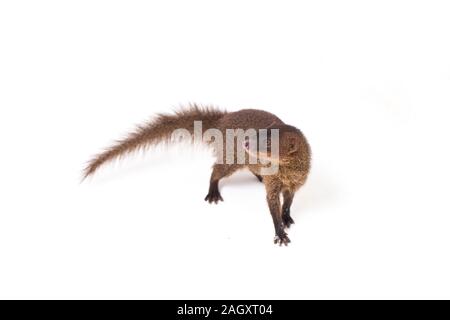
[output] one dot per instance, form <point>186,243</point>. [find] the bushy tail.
<point>155,131</point>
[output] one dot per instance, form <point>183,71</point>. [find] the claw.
<point>287,221</point>
<point>281,239</point>
<point>213,196</point>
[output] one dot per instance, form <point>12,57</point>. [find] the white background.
<point>368,82</point>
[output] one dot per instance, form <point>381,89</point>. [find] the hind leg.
<point>219,171</point>
<point>288,196</point>
<point>258,176</point>
<point>255,170</point>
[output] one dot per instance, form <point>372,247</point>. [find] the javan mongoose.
<point>293,160</point>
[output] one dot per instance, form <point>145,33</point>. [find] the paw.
<point>287,220</point>
<point>213,196</point>
<point>281,239</point>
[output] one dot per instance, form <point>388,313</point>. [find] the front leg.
<point>273,189</point>
<point>288,196</point>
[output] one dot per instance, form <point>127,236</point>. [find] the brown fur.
<point>155,131</point>
<point>294,154</point>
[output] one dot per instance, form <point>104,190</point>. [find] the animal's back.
<point>248,118</point>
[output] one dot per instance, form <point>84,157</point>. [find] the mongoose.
<point>293,160</point>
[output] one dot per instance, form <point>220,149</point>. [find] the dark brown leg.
<point>254,169</point>
<point>273,199</point>
<point>286,209</point>
<point>219,171</point>
<point>259,177</point>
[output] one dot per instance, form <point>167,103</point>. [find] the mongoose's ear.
<point>293,146</point>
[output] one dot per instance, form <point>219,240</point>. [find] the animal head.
<point>282,144</point>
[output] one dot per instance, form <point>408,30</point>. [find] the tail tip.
<point>87,172</point>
